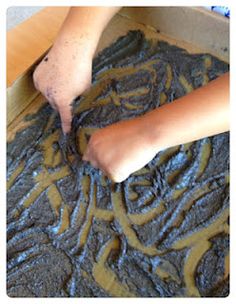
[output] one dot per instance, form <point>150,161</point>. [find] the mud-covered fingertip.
<point>85,157</point>
<point>65,132</point>
<point>66,128</point>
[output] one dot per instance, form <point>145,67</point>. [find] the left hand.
<point>121,148</point>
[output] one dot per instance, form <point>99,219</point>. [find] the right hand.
<point>121,148</point>
<point>64,74</point>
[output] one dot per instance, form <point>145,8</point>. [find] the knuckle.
<point>117,178</point>
<point>113,175</point>
<point>65,123</point>
<point>116,174</point>
<point>35,75</point>
<point>94,140</point>
<point>36,80</point>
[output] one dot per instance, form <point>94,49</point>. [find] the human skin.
<point>66,71</point>
<point>122,148</point>
<point>125,147</point>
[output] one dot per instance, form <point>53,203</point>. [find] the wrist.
<point>78,45</point>
<point>154,131</point>
<point>83,27</point>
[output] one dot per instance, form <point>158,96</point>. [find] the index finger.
<point>66,117</point>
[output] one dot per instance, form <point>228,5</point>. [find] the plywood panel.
<point>30,39</point>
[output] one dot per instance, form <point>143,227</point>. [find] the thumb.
<point>66,117</point>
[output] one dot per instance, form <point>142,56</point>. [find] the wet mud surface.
<point>164,232</point>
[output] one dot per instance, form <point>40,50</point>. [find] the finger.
<point>85,157</point>
<point>94,163</point>
<point>87,154</point>
<point>117,177</point>
<point>54,106</point>
<point>66,118</point>
<point>89,157</point>
<point>36,85</point>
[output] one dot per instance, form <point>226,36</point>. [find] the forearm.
<point>84,25</point>
<point>203,112</point>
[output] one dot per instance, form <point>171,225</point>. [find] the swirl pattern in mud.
<point>161,233</point>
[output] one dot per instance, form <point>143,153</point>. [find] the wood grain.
<point>30,39</point>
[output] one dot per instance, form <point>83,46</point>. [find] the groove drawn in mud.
<point>72,232</point>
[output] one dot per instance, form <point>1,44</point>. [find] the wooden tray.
<point>192,28</point>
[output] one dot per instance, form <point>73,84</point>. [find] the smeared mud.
<point>164,232</point>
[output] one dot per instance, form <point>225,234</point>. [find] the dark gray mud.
<point>161,233</point>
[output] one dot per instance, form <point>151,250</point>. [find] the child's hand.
<point>66,71</point>
<point>64,74</point>
<point>124,147</point>
<point>120,149</point>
